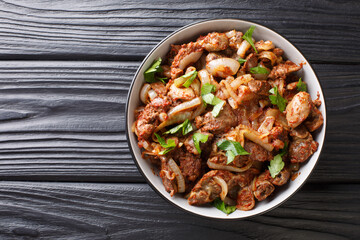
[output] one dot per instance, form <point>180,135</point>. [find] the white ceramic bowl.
<point>190,33</point>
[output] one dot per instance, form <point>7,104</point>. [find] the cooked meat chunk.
<point>298,109</point>
<point>257,153</point>
<point>261,187</point>
<point>283,69</point>
<point>301,149</point>
<point>190,165</point>
<point>281,178</point>
<point>299,132</point>
<point>245,200</point>
<point>214,42</point>
<point>168,178</point>
<point>259,87</point>
<point>184,94</point>
<point>188,53</point>
<point>159,88</point>
<point>148,118</point>
<point>189,143</point>
<point>278,136</point>
<point>251,61</point>
<point>315,119</point>
<point>235,38</point>
<point>221,124</point>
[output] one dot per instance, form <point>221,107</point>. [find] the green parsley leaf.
<point>277,99</point>
<point>218,104</point>
<point>191,76</point>
<point>207,88</point>
<point>199,137</point>
<point>241,60</point>
<point>168,145</point>
<point>155,67</point>
<point>233,149</point>
<point>276,165</point>
<point>301,86</point>
<point>185,126</point>
<point>248,37</point>
<point>223,207</point>
<point>259,70</point>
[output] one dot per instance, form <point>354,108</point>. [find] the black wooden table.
<point>65,167</point>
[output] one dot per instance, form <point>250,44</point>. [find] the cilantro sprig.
<point>277,99</point>
<point>223,207</point>
<point>301,86</point>
<point>197,138</point>
<point>168,145</point>
<point>248,37</point>
<point>232,149</point>
<point>155,67</point>
<point>185,126</point>
<point>259,70</point>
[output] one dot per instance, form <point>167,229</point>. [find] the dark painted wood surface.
<point>65,166</point>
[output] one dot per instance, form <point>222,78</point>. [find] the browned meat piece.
<point>278,51</point>
<point>235,38</point>
<point>148,118</point>
<point>281,178</point>
<point>219,162</point>
<point>245,199</point>
<point>168,178</point>
<point>259,87</point>
<point>298,109</point>
<point>159,88</point>
<point>190,165</point>
<point>301,149</point>
<point>214,42</point>
<point>261,187</point>
<point>299,132</point>
<point>189,143</point>
<point>221,124</point>
<point>207,190</point>
<point>257,153</point>
<point>278,136</point>
<point>172,53</point>
<point>283,69</point>
<point>212,56</point>
<point>251,61</point>
<point>188,53</point>
<point>315,119</point>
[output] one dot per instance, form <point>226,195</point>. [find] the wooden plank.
<point>65,121</point>
<point>134,211</point>
<point>324,31</point>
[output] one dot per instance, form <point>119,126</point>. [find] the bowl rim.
<point>127,127</point>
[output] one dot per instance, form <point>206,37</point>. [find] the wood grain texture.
<point>324,30</point>
<point>134,211</point>
<point>65,121</point>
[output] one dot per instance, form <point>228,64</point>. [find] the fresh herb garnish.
<point>185,126</point>
<point>190,78</point>
<point>207,88</point>
<point>163,80</point>
<point>168,145</point>
<point>284,151</point>
<point>241,60</point>
<point>248,37</point>
<point>210,98</point>
<point>155,67</point>
<point>276,165</point>
<point>301,86</point>
<point>223,207</point>
<point>199,137</point>
<point>259,70</point>
<point>277,99</point>
<point>232,149</point>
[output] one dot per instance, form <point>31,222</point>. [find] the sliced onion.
<point>204,76</point>
<point>223,67</point>
<point>243,79</point>
<point>184,106</point>
<point>179,177</point>
<point>175,118</point>
<point>256,138</point>
<point>268,55</point>
<point>144,93</point>
<point>198,111</point>
<point>190,58</point>
<point>223,185</point>
<point>244,46</point>
<point>267,125</point>
<point>227,167</point>
<point>163,116</point>
<point>195,85</point>
<point>152,94</point>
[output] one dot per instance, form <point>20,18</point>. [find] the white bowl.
<point>190,33</point>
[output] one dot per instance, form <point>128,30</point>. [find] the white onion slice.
<point>267,125</point>
<point>223,185</point>
<point>179,177</point>
<point>175,118</point>
<point>223,67</point>
<point>255,137</point>
<point>152,94</point>
<point>244,46</point>
<point>191,58</point>
<point>184,106</point>
<point>227,167</point>
<point>144,93</point>
<point>204,76</point>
